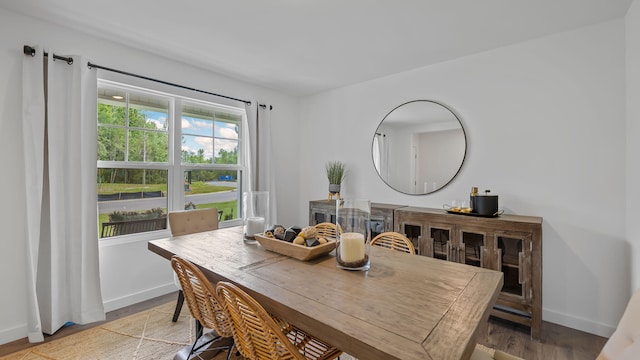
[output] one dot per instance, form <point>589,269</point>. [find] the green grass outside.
<point>197,187</point>
<point>229,208</point>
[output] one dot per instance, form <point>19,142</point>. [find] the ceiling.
<point>302,47</point>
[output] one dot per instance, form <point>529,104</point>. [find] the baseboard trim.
<point>13,334</point>
<point>577,323</point>
<point>130,299</point>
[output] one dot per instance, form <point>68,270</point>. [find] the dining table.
<point>404,307</point>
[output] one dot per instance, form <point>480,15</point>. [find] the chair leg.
<point>206,340</point>
<point>176,313</point>
<point>233,345</point>
<point>199,329</point>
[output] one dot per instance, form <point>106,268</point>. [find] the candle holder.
<point>352,248</point>
<point>255,211</point>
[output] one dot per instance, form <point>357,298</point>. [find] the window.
<point>148,163</point>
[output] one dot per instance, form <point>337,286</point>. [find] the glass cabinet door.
<point>376,227</point>
<point>318,217</point>
<point>515,263</point>
<point>440,237</point>
<point>471,249</point>
<point>414,233</point>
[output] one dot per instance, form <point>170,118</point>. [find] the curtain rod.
<point>28,50</point>
<point>264,106</point>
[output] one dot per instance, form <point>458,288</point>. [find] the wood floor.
<point>557,343</point>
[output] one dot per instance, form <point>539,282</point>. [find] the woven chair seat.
<point>394,241</point>
<point>259,336</point>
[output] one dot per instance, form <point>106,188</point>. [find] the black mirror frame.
<point>464,157</point>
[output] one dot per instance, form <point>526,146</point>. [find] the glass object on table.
<point>352,248</point>
<point>255,213</point>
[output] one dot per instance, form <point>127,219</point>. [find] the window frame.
<point>174,166</point>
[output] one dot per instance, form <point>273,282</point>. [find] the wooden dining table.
<point>404,307</point>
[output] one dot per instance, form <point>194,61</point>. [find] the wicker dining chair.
<point>185,222</point>
<point>328,230</point>
<point>259,336</point>
<point>394,241</point>
<point>203,304</point>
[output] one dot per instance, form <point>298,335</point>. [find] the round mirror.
<point>419,147</point>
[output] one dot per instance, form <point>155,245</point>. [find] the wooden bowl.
<point>296,251</point>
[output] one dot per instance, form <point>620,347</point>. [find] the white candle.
<point>351,247</point>
<point>255,225</point>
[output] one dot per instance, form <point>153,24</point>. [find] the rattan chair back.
<point>201,297</point>
<point>394,241</point>
<point>259,336</point>
<point>328,230</point>
<point>193,221</point>
<point>188,222</point>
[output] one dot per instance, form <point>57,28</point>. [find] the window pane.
<point>119,109</point>
<point>148,118</point>
<point>111,143</point>
<point>148,146</point>
<point>209,135</point>
<point>196,126</point>
<point>197,149</point>
<point>201,149</point>
<point>233,118</point>
<point>131,201</point>
<point>213,188</point>
<point>226,130</point>
<point>111,107</point>
<point>226,151</point>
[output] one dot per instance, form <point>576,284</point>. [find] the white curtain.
<point>381,155</point>
<point>262,176</point>
<point>376,152</point>
<point>33,112</point>
<point>248,145</point>
<point>60,146</point>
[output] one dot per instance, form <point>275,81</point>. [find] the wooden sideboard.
<point>508,243</point>
<point>381,214</point>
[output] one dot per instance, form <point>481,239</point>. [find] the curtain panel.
<point>60,146</point>
<point>261,176</point>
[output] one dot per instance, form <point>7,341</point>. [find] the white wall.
<point>545,121</point>
<point>633,135</point>
<point>130,273</point>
